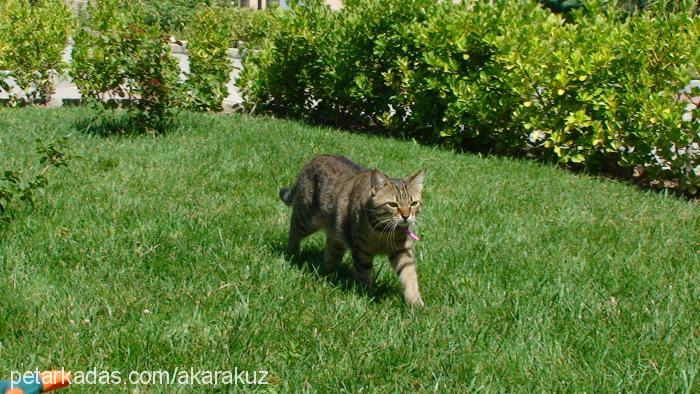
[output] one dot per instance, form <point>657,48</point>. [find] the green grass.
<point>534,278</point>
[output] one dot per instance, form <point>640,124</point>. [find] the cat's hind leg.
<point>299,228</point>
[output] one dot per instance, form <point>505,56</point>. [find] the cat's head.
<point>396,202</point>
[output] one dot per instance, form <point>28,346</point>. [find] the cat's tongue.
<point>410,233</point>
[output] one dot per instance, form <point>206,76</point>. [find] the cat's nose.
<point>405,217</point>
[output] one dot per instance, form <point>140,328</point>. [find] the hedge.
<point>121,52</point>
<point>33,35</point>
<point>252,26</point>
<point>599,91</point>
<point>210,62</point>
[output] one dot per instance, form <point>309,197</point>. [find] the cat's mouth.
<point>410,233</point>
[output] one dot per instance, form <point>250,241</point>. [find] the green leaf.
<point>578,158</point>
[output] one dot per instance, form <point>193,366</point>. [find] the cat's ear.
<point>416,179</point>
<point>379,180</point>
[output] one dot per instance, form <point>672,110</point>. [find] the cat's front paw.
<point>415,300</point>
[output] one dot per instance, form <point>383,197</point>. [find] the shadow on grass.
<point>310,261</point>
<point>121,123</point>
<point>118,126</point>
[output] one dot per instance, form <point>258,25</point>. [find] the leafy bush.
<point>455,91</point>
<point>294,70</point>
<point>210,63</point>
<point>601,93</point>
<point>24,185</point>
<point>606,95</point>
<point>173,15</point>
<point>120,53</point>
<point>246,24</point>
<point>377,41</point>
<point>253,26</point>
<point>33,35</point>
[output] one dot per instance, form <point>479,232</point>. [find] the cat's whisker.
<point>391,241</point>
<point>389,232</point>
<point>385,220</point>
<point>385,234</point>
<point>393,230</point>
<point>385,223</point>
<point>385,231</point>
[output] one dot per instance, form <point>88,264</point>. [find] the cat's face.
<point>396,202</point>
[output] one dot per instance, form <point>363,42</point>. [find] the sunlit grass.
<point>151,253</point>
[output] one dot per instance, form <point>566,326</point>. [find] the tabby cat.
<point>361,210</point>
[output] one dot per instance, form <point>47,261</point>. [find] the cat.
<point>359,209</point>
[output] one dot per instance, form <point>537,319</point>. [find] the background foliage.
<point>602,92</point>
<point>253,26</point>
<point>25,185</point>
<point>210,63</point>
<point>173,16</point>
<point>245,23</point>
<point>33,34</point>
<point>120,52</point>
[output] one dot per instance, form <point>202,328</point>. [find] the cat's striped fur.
<point>361,210</point>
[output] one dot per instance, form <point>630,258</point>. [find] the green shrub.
<point>456,90</point>
<point>377,41</point>
<point>294,68</point>
<point>173,16</point>
<point>120,53</point>
<point>605,96</point>
<point>600,93</point>
<point>253,26</point>
<point>33,35</point>
<point>25,185</point>
<point>210,63</point>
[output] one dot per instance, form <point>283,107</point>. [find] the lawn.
<point>156,253</point>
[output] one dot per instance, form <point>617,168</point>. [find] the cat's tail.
<point>286,195</point>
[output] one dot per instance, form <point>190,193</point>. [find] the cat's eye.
<point>415,203</point>
<point>392,204</point>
